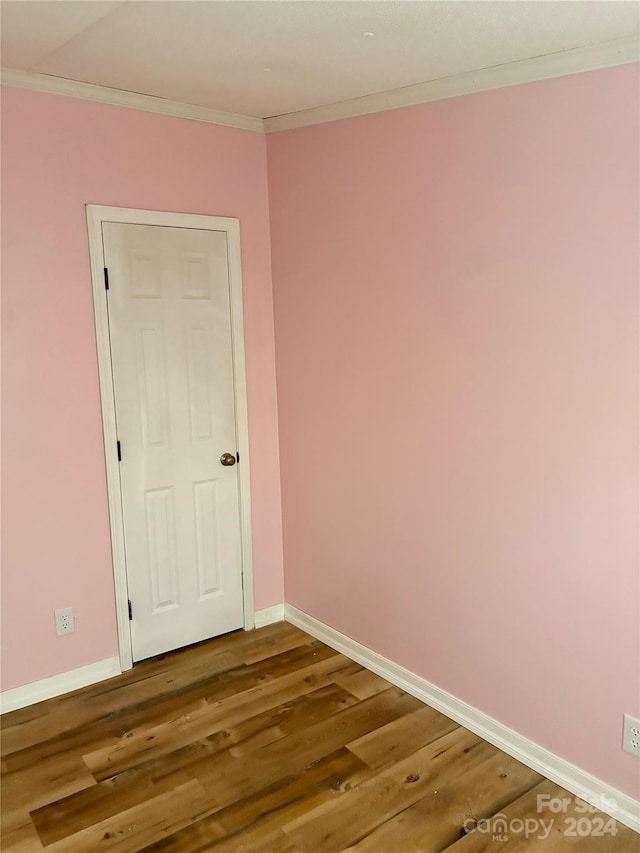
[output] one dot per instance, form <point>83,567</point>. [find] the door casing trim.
<point>96,215</point>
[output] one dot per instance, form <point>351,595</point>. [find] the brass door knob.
<point>228,459</point>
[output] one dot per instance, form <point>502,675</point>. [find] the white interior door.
<point>170,333</point>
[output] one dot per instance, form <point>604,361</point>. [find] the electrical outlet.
<point>65,623</point>
<point>631,737</point>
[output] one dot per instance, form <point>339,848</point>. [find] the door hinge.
<point>106,279</point>
<point>119,452</point>
<point>130,611</point>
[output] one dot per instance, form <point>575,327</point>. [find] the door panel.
<point>170,331</point>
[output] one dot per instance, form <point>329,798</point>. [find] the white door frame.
<point>96,215</point>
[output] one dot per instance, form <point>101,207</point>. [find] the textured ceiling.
<point>273,57</point>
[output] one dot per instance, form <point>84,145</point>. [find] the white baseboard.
<point>269,615</point>
<point>615,803</point>
<point>56,685</point>
<point>65,682</point>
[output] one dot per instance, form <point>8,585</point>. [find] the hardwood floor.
<point>267,742</point>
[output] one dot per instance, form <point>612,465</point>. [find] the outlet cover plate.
<point>631,737</point>
<point>65,622</point>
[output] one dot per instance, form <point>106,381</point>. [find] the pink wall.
<point>57,155</point>
<point>456,306</point>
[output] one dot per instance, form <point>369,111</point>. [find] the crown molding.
<point>574,61</point>
<point>588,58</point>
<point>121,98</point>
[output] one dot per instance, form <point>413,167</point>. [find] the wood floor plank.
<point>16,730</point>
<point>282,800</point>
<point>381,797</point>
<point>538,840</point>
<point>232,779</point>
<point>71,815</point>
<point>402,737</point>
<point>269,668</point>
<point>132,713</point>
<point>262,648</point>
<point>254,823</point>
<point>21,836</point>
<point>485,781</point>
<point>142,825</point>
<point>36,786</point>
<point>86,707</point>
<point>293,716</point>
<point>120,715</point>
<point>262,742</point>
<point>363,684</point>
<point>215,716</point>
<point>134,786</point>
